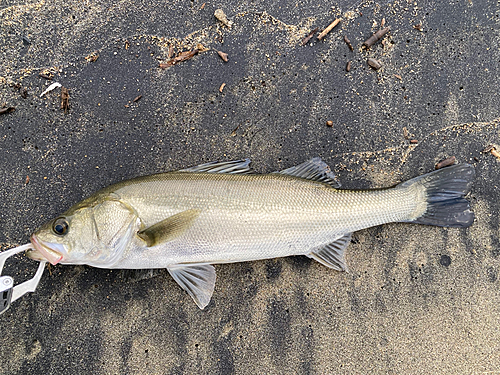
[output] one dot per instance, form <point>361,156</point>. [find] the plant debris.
<point>24,93</point>
<point>375,64</point>
<point>418,27</point>
<point>398,77</point>
<point>182,56</point>
<point>348,66</point>
<point>348,42</point>
<point>223,55</point>
<point>92,57</point>
<point>137,98</point>
<point>376,37</point>
<point>329,28</point>
<point>222,87</point>
<point>7,110</point>
<point>46,75</point>
<point>446,162</point>
<point>309,36</point>
<point>221,16</point>
<point>329,123</point>
<point>414,141</point>
<point>493,150</point>
<point>64,99</point>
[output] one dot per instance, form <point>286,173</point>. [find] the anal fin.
<point>197,280</point>
<point>333,254</point>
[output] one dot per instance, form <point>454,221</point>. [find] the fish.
<point>223,212</point>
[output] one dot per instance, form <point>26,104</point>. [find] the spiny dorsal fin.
<point>197,280</point>
<point>315,170</point>
<point>234,167</point>
<point>333,254</point>
<point>170,228</point>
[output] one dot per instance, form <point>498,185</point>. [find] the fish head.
<point>95,233</point>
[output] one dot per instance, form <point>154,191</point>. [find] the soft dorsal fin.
<point>170,228</point>
<point>197,280</point>
<point>315,170</point>
<point>333,254</point>
<point>234,167</point>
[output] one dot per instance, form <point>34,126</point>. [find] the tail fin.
<point>445,190</point>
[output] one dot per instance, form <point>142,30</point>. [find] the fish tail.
<point>441,196</point>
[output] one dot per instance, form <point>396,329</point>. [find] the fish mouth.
<point>44,251</point>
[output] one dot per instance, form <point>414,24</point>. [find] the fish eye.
<point>60,226</point>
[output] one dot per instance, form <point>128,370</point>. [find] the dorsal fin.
<point>234,167</point>
<point>315,170</point>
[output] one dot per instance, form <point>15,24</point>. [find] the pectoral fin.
<point>333,254</point>
<point>197,280</point>
<point>170,228</point>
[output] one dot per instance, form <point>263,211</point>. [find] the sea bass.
<point>188,220</point>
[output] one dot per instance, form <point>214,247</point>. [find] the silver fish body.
<point>221,213</point>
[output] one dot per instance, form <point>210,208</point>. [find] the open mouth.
<point>50,255</point>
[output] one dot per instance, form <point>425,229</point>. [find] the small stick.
<point>222,87</point>
<point>7,110</point>
<point>137,98</point>
<point>329,28</point>
<point>348,66</point>
<point>64,99</point>
<point>348,42</point>
<point>446,162</point>
<point>375,64</point>
<point>309,36</point>
<point>376,37</point>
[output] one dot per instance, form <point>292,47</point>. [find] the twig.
<point>329,28</point>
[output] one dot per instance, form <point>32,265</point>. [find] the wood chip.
<point>405,133</point>
<point>375,64</point>
<point>376,37</point>
<point>170,52</point>
<point>221,16</point>
<point>398,77</point>
<point>348,66</point>
<point>414,141</point>
<point>309,36</point>
<point>329,28</point>
<point>446,162</point>
<point>7,110</point>
<point>222,87</point>
<point>64,99</point>
<point>348,42</point>
<point>27,180</point>
<point>127,44</point>
<point>202,6</point>
<point>223,55</point>
<point>137,98</point>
